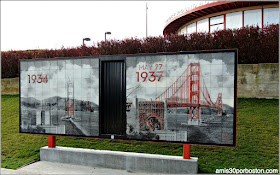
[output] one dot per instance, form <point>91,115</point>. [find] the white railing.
<point>200,3</point>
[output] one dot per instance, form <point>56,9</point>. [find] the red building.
<point>224,15</point>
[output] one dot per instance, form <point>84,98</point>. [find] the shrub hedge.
<point>254,46</point>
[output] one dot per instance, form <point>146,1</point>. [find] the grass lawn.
<point>257,140</point>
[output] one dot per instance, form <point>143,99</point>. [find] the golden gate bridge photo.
<point>188,91</point>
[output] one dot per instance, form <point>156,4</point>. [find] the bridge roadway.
<point>76,125</point>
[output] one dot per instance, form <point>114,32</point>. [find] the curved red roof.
<point>175,23</point>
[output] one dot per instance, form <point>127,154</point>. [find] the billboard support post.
<point>51,141</point>
<point>186,151</point>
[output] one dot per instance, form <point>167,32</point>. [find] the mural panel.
<point>182,97</point>
<point>60,96</point>
<point>187,97</point>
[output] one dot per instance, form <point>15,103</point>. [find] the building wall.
<point>233,19</point>
<point>258,80</point>
<point>10,86</point>
<point>254,81</point>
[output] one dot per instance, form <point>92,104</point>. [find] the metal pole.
<point>146,19</point>
<point>105,37</point>
<point>51,141</point>
<point>186,151</point>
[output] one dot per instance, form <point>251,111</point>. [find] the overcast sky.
<point>53,24</point>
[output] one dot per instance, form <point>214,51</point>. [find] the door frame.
<point>101,107</point>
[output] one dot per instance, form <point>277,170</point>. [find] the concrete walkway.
<point>44,167</point>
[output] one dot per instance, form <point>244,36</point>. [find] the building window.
<point>253,17</point>
<point>270,16</point>
<point>179,32</point>
<point>216,23</point>
<point>191,28</point>
<point>234,20</point>
<point>203,25</point>
<point>183,31</point>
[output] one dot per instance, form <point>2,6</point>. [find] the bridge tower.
<point>70,99</point>
<point>219,104</point>
<point>88,103</point>
<point>194,112</point>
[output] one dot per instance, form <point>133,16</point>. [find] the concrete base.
<point>133,162</point>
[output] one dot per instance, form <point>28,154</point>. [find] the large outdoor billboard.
<point>186,97</point>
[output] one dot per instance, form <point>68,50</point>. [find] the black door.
<point>112,118</point>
